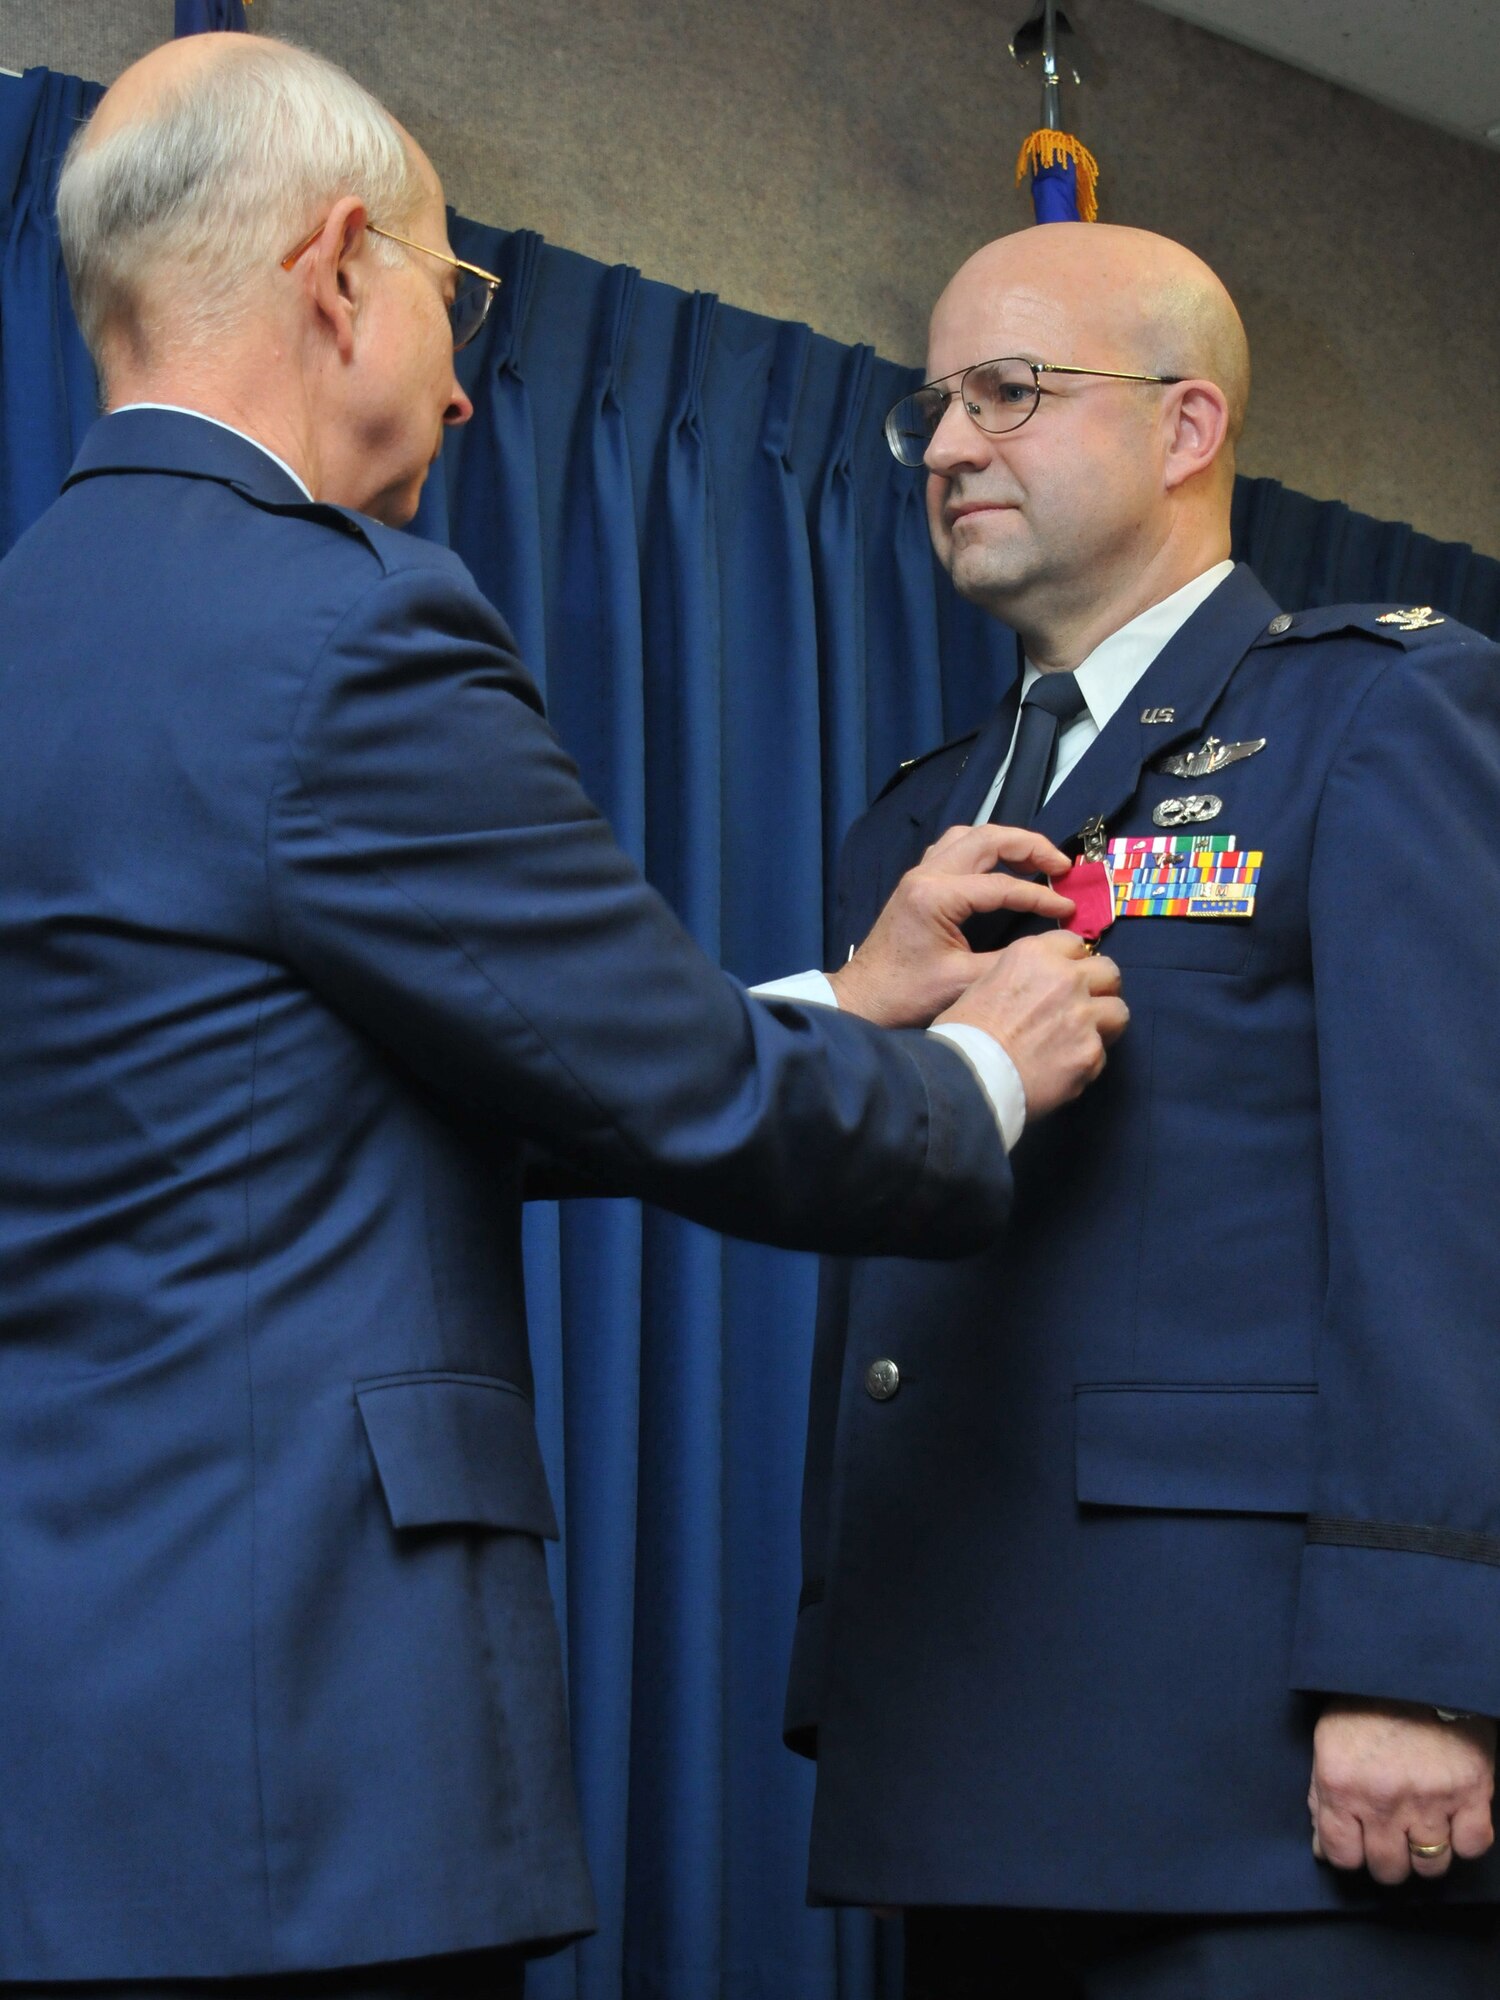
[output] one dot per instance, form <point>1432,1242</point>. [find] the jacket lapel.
<point>958,805</point>
<point>1187,676</point>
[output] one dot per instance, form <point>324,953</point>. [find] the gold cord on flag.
<point>1059,149</point>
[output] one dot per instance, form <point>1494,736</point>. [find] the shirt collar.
<point>1108,674</point>
<point>181,410</point>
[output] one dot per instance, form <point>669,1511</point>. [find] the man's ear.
<point>334,271</point>
<point>1197,417</point>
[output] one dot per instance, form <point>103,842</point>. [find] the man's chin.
<point>986,574</point>
<point>397,506</point>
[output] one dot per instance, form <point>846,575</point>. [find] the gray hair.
<point>198,201</point>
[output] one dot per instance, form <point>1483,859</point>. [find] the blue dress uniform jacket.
<point>306,931</point>
<point>1214,1424</point>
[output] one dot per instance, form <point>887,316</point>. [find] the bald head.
<point>202,166</point>
<point>1141,300</point>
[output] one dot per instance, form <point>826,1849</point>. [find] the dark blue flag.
<point>198,17</point>
<point>1064,177</point>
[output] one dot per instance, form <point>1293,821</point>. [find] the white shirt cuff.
<point>808,989</point>
<point>995,1073</point>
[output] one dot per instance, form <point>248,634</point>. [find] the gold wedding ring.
<point>1429,1853</point>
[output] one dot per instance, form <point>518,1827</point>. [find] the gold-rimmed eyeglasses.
<point>997,396</point>
<point>472,298</point>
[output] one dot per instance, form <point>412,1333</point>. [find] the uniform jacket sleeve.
<point>438,873</point>
<point>1400,1593</point>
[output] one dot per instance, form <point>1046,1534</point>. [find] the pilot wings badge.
<point>1210,757</point>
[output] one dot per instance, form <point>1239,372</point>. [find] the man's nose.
<point>459,409</point>
<point>958,443</point>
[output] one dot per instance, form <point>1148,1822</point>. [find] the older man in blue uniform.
<point>1151,1618</point>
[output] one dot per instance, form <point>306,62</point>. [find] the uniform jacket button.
<point>882,1380</point>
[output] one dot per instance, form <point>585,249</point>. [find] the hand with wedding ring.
<point>1398,1791</point>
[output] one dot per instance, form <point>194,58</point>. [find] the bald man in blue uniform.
<point>1150,1625</point>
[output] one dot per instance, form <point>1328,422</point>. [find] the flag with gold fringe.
<point>1064,177</point>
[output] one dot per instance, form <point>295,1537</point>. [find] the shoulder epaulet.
<point>1406,625</point>
<point>904,771</point>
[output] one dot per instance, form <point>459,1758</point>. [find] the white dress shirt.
<point>1106,678</point>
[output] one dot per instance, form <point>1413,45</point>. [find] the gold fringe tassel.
<point>1057,149</point>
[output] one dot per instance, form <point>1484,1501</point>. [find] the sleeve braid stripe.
<point>1456,1544</point>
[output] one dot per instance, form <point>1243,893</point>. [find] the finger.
<point>1111,1019</point>
<point>966,850</point>
<point>1473,1831</point>
<point>1387,1855</point>
<point>1425,1834</point>
<point>1317,1847</point>
<point>1019,847</point>
<point>1340,1838</point>
<point>948,838</point>
<point>1103,974</point>
<point>1060,944</point>
<point>1010,892</point>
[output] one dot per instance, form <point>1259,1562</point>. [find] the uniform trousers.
<point>1424,1954</point>
<point>467,1975</point>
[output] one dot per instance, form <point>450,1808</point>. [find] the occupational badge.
<point>1416,618</point>
<point>1211,756</point>
<point>1191,810</point>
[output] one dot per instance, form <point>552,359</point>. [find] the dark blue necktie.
<point>1051,701</point>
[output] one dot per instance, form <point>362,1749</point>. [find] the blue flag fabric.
<point>1064,176</point>
<point>200,17</point>
<point>1054,193</point>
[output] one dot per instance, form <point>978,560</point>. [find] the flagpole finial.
<point>1047,32</point>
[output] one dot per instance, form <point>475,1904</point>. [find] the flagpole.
<point>1051,81</point>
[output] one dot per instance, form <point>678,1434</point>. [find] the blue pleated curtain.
<point>722,581</point>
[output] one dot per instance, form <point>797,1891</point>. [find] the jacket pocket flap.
<point>456,1449</point>
<point>1203,1450</point>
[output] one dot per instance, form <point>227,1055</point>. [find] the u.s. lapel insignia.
<point>1190,811</point>
<point>1211,756</point>
<point>1158,715</point>
<point>1416,618</point>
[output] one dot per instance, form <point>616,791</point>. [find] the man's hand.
<point>916,960</point>
<point>1053,1008</point>
<point>1389,1778</point>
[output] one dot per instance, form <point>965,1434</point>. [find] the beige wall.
<point>832,160</point>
